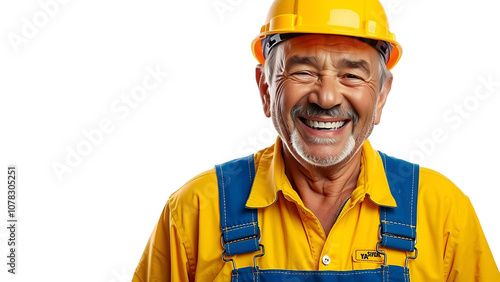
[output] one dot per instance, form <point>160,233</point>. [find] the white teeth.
<point>325,125</point>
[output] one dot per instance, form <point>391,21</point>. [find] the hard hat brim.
<point>393,59</point>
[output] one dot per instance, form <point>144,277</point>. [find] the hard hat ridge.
<point>361,19</point>
<point>271,40</point>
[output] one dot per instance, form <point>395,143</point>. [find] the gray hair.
<point>275,64</point>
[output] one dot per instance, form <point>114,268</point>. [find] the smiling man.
<point>324,102</point>
<point>321,204</point>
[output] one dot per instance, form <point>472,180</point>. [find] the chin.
<point>321,161</point>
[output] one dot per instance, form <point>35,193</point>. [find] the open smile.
<point>322,125</point>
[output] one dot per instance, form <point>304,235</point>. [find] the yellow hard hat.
<point>363,19</point>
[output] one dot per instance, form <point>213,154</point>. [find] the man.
<point>320,204</point>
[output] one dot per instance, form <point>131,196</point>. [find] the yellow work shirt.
<point>185,244</point>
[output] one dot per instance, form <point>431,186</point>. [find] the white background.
<point>68,70</point>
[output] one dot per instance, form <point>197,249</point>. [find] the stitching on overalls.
<point>253,211</point>
<point>398,223</point>
<point>384,208</point>
<point>250,180</point>
<point>326,274</point>
<point>398,237</point>
<point>223,195</point>
<point>412,192</point>
<point>412,189</point>
<point>242,239</point>
<point>234,276</point>
<point>240,226</point>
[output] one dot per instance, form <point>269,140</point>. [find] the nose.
<point>327,93</point>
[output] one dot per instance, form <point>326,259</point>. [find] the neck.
<point>323,189</point>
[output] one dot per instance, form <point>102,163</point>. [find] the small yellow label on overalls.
<point>367,256</point>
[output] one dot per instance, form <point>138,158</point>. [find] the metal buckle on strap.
<point>385,255</point>
<point>379,243</point>
<point>224,258</point>
<point>227,260</point>
<point>412,257</point>
<point>408,239</point>
<point>381,252</point>
<point>388,234</point>
<point>223,242</point>
<point>258,255</point>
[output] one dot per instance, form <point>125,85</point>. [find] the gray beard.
<point>322,162</point>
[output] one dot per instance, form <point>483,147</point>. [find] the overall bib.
<point>241,233</point>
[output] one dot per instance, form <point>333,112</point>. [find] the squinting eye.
<point>304,76</point>
<point>352,76</point>
<point>302,73</point>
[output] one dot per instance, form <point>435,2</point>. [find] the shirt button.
<point>303,211</point>
<point>326,260</point>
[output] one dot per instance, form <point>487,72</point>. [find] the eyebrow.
<point>361,64</point>
<point>344,63</point>
<point>297,60</point>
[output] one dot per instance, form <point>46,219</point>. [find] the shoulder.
<point>438,189</point>
<point>449,232</point>
<point>195,194</point>
<point>441,204</point>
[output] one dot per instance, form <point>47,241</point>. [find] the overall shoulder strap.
<point>239,225</point>
<point>398,225</point>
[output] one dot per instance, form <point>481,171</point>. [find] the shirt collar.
<point>372,179</point>
<point>270,178</point>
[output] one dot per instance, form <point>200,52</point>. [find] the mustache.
<point>315,110</point>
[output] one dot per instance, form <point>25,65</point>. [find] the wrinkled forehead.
<point>331,48</point>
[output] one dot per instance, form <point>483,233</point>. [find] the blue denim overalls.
<point>241,233</point>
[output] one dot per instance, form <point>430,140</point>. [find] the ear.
<point>382,98</point>
<point>263,89</point>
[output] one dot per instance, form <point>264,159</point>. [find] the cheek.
<point>284,99</point>
<point>364,104</point>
